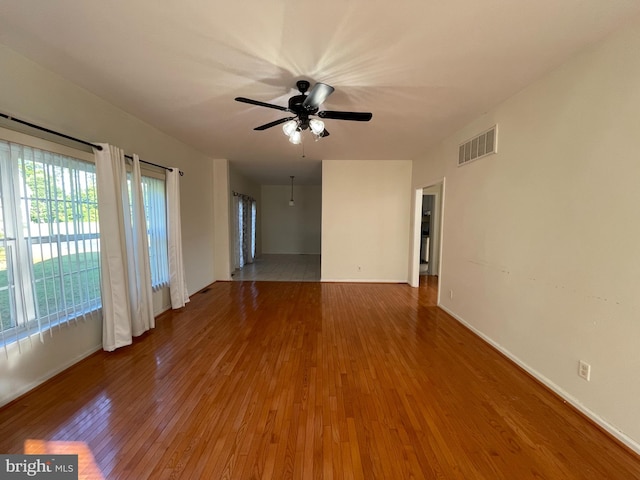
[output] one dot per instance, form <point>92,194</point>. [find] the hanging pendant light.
<point>291,202</point>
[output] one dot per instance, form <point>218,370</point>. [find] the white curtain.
<point>126,290</point>
<point>139,267</point>
<point>113,205</point>
<point>177,280</point>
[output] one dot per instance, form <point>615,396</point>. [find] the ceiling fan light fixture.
<point>289,127</point>
<point>301,107</point>
<point>296,137</point>
<point>316,126</point>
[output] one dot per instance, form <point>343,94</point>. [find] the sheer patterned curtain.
<point>254,213</point>
<point>237,232</point>
<point>126,290</point>
<point>244,220</point>
<point>177,280</point>
<point>248,233</point>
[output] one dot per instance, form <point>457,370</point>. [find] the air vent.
<point>479,146</point>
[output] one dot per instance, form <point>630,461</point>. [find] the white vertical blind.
<point>153,191</point>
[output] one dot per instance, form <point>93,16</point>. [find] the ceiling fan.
<point>305,107</point>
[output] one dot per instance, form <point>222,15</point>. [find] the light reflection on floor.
<point>87,468</point>
<point>97,407</point>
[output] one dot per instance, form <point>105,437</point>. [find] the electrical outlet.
<point>584,370</point>
<point>359,267</point>
<point>450,294</point>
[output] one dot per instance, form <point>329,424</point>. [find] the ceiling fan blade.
<point>355,116</point>
<point>317,95</point>
<point>273,124</point>
<point>261,104</point>
<point>325,133</point>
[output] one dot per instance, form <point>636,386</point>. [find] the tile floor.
<point>281,268</point>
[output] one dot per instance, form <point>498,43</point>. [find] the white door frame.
<point>416,234</point>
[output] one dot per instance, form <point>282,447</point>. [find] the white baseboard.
<point>60,368</point>
<point>609,428</point>
<point>361,280</point>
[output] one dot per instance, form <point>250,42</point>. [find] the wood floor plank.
<point>307,380</point>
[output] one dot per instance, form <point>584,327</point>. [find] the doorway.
<point>426,229</point>
<point>427,232</point>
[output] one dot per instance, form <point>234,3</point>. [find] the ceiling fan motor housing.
<point>303,85</point>
<point>296,105</point>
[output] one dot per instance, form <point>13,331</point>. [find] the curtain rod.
<point>237,194</point>
<point>68,137</point>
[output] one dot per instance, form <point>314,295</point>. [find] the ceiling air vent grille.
<point>479,146</point>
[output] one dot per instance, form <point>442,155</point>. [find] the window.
<point>49,235</point>
<point>154,200</point>
<point>49,240</point>
<point>153,193</point>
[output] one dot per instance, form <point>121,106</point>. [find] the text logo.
<point>51,467</point>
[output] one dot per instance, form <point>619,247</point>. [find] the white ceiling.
<point>423,67</point>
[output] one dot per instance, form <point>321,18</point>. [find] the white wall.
<point>32,93</point>
<point>222,204</point>
<point>294,230</point>
<point>366,207</point>
<point>541,241</point>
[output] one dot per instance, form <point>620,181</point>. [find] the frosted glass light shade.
<point>316,126</point>
<point>295,137</point>
<point>289,127</point>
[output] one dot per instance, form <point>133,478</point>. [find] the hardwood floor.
<point>308,380</point>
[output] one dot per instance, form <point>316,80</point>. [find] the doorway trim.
<point>416,234</point>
